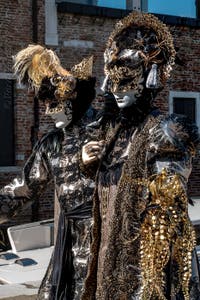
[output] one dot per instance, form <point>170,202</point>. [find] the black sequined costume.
<point>57,156</point>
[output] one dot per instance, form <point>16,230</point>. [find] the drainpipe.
<point>35,127</point>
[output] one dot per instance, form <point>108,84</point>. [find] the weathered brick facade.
<point>79,36</point>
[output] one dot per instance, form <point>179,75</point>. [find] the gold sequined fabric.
<point>166,228</point>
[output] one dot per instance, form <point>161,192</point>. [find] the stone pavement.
<point>26,291</point>
<point>20,298</point>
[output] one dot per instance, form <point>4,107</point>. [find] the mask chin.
<point>62,124</point>
<point>61,119</point>
<point>125,99</point>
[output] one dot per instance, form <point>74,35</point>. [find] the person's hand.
<point>92,151</point>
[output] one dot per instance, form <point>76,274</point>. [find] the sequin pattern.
<point>56,157</point>
<point>147,238</point>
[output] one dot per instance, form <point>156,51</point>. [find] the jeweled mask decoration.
<point>139,52</point>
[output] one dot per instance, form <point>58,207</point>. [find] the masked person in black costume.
<point>67,97</point>
<point>143,239</point>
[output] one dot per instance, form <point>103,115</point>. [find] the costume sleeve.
<point>99,130</point>
<point>166,231</point>
<point>173,144</point>
<point>89,170</point>
<point>22,191</point>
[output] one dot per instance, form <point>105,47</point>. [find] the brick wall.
<point>17,33</point>
<point>79,36</point>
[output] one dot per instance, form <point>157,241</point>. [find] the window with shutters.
<point>185,103</point>
<point>7,154</point>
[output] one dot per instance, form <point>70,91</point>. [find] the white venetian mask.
<point>125,99</point>
<point>61,115</point>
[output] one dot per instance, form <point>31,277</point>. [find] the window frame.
<point>63,6</point>
<point>51,27</point>
<point>140,5</point>
<point>192,210</point>
<point>197,11</point>
<point>185,94</point>
<point>130,4</point>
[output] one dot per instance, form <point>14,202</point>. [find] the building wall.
<point>16,33</point>
<point>79,36</point>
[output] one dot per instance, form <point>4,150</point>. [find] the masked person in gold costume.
<point>143,239</point>
<point>67,96</point>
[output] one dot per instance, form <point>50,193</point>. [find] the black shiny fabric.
<point>63,278</point>
<point>56,157</point>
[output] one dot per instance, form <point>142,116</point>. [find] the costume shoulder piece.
<point>175,131</point>
<point>50,142</point>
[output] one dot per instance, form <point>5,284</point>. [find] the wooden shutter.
<point>185,106</point>
<point>6,123</point>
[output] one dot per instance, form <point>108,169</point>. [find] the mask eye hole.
<point>53,105</point>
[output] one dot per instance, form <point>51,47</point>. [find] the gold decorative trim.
<point>164,43</point>
<point>83,70</point>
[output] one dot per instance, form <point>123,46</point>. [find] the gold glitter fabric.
<point>143,239</point>
<point>83,70</point>
<point>166,227</point>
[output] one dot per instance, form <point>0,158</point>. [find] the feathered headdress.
<point>36,64</point>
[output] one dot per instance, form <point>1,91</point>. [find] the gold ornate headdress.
<point>122,41</point>
<point>35,63</point>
